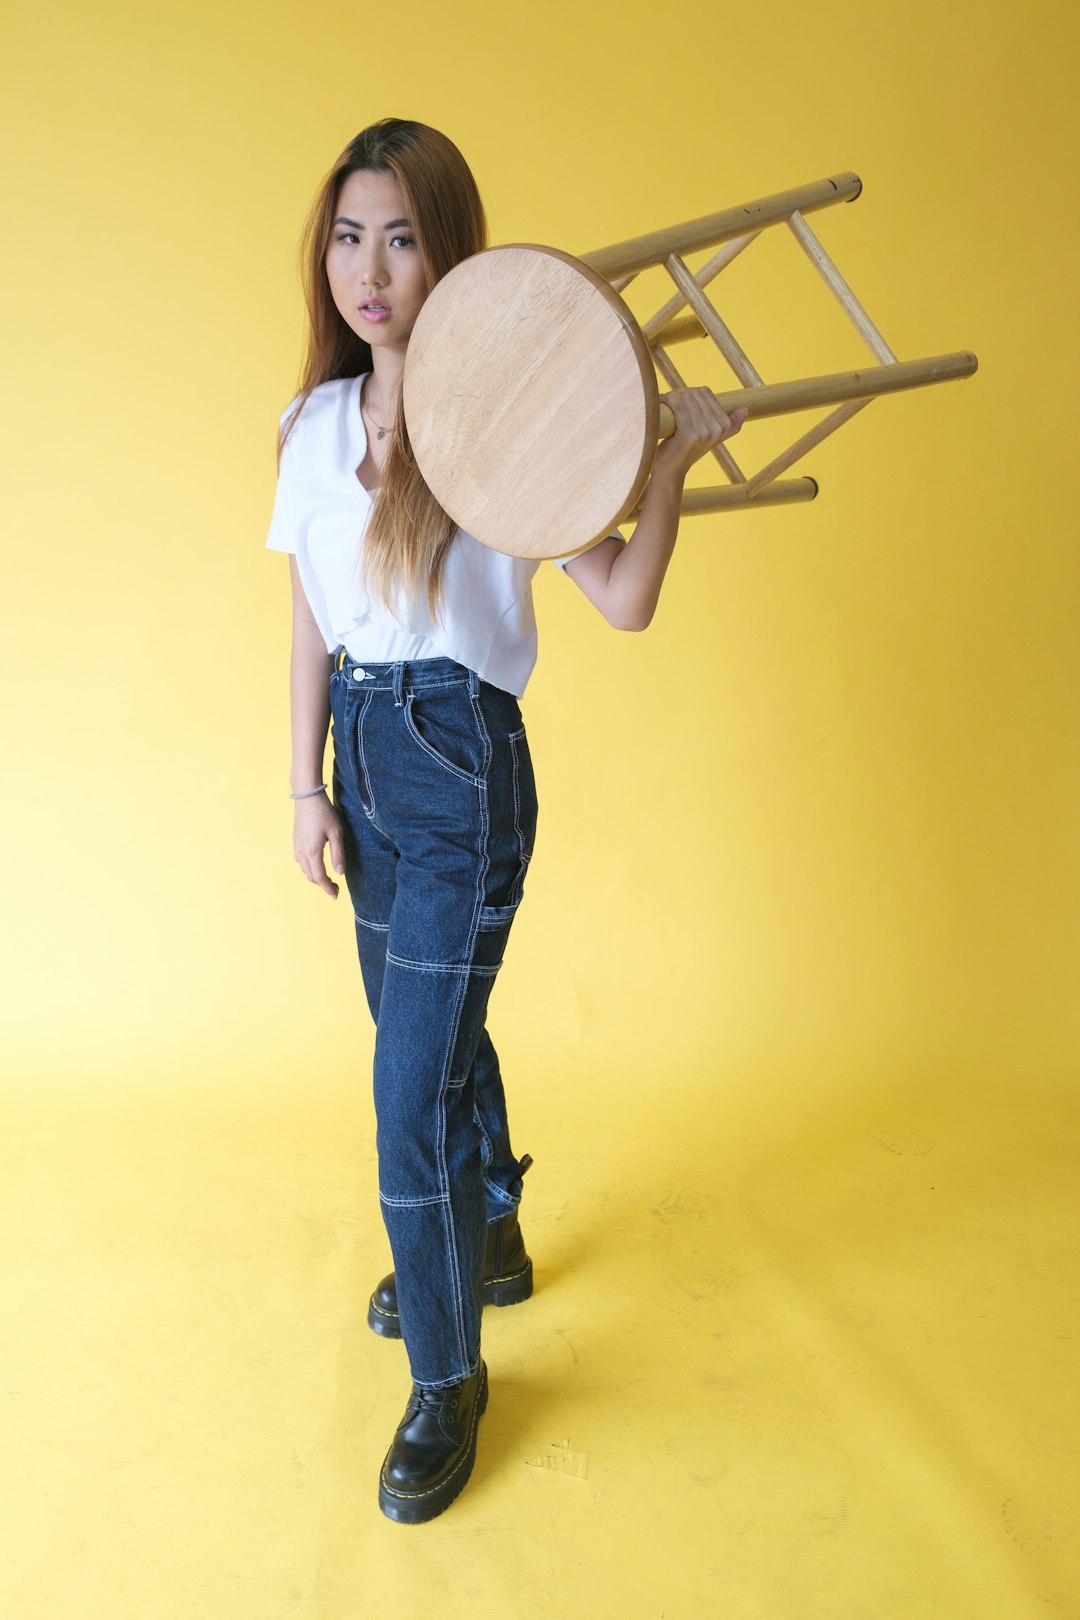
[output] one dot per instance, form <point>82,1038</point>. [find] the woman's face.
<point>373,257</point>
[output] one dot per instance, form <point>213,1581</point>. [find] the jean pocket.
<point>492,935</point>
<point>447,725</point>
<point>495,917</point>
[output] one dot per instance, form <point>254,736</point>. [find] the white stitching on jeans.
<point>412,1203</point>
<point>523,859</point>
<point>444,1078</point>
<point>364,706</point>
<point>464,968</point>
<point>454,770</point>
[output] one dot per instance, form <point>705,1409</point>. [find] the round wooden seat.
<point>531,401</point>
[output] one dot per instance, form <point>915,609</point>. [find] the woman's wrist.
<point>667,474</point>
<point>305,776</point>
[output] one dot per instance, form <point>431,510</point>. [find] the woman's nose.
<point>372,272</point>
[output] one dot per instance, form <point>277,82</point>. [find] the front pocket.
<point>364,790</point>
<point>446,724</point>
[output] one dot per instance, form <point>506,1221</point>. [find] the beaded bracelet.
<point>311,792</point>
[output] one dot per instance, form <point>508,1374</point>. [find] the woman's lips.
<point>375,315</point>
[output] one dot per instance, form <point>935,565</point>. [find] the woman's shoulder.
<point>321,406</point>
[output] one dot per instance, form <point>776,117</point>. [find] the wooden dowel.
<point>733,497</point>
<point>777,399</point>
<point>721,335</point>
<point>682,330</point>
<point>785,492</point>
<point>836,283</point>
<point>803,394</point>
<point>668,370</point>
<point>720,260</point>
<point>796,451</point>
<point>641,252</point>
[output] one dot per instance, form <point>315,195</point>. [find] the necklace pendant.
<point>380,433</point>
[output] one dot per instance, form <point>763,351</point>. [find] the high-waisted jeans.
<point>434,787</point>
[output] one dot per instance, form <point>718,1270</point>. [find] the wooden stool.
<point>530,391</point>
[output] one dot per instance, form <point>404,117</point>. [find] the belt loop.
<point>474,683</point>
<point>399,682</point>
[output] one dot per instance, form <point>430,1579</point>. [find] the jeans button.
<point>359,674</point>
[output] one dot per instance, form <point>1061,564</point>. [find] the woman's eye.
<point>408,240</point>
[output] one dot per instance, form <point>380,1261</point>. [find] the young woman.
<point>417,642</point>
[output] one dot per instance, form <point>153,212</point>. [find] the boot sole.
<point>509,1290</point>
<point>417,1507</point>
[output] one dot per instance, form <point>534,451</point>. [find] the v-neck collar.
<point>356,416</point>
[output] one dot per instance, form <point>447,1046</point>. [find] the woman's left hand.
<point>700,423</point>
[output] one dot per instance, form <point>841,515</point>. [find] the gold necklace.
<point>382,430</point>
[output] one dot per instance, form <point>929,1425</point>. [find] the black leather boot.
<point>433,1450</point>
<point>508,1274</point>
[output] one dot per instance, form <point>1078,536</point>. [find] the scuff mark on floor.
<point>561,1458</point>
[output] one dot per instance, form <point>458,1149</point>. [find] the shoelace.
<point>435,1400</point>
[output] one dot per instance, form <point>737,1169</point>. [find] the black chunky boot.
<point>508,1274</point>
<point>433,1450</point>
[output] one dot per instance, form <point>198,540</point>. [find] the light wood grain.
<point>531,401</point>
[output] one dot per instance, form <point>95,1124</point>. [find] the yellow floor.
<point>795,1350</point>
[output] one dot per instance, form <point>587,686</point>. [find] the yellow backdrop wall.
<point>821,814</point>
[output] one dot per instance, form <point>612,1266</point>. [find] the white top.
<point>486,618</point>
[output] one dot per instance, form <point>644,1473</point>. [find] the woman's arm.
<point>315,821</point>
<point>623,578</point>
<point>309,690</point>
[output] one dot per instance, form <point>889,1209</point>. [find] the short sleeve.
<point>561,562</point>
<point>284,520</point>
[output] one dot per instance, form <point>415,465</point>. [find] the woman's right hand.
<point>700,423</point>
<point>316,823</point>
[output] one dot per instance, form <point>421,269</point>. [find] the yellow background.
<point>789,1019</point>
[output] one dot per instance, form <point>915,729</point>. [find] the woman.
<point>417,642</point>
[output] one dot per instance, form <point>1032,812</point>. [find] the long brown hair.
<point>408,534</point>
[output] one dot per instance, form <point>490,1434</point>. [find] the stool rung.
<point>796,451</point>
<point>733,497</point>
<point>653,327</point>
<point>835,281</point>
<point>710,320</point>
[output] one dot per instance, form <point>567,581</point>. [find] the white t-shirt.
<point>486,619</point>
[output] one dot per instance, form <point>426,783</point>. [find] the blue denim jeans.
<point>434,787</point>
